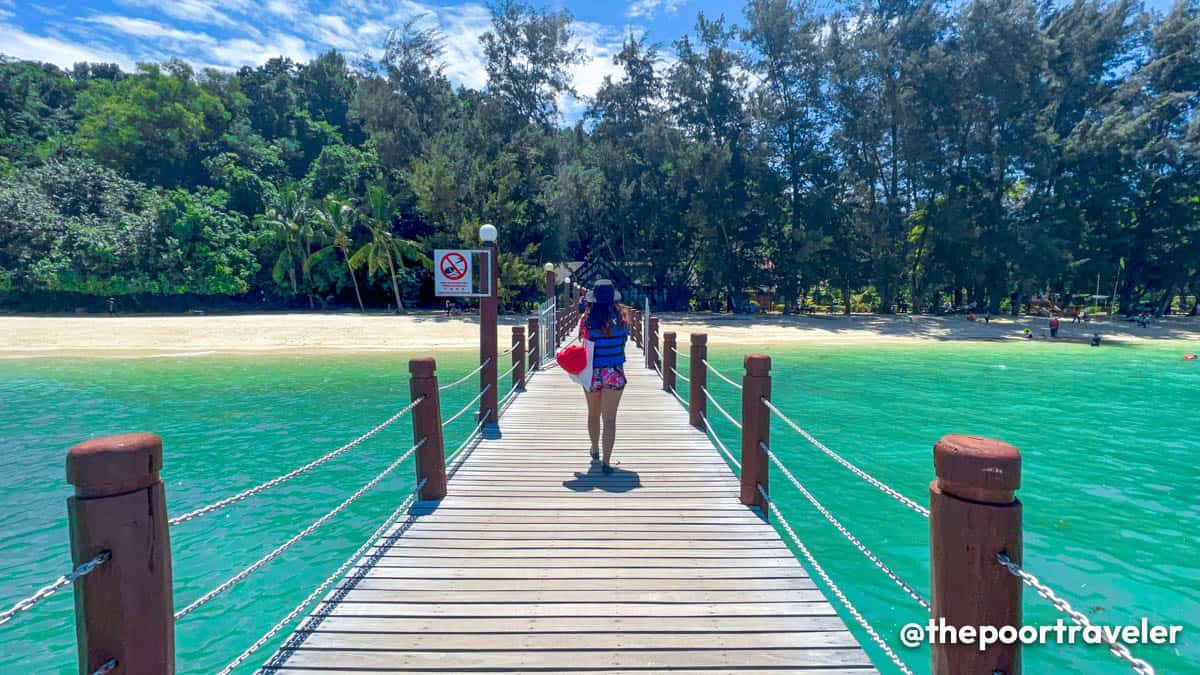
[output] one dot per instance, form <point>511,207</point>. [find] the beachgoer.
<point>1086,317</point>
<point>1095,339</point>
<point>1054,327</point>
<point>449,307</point>
<point>1075,315</point>
<point>603,324</point>
<point>987,316</point>
<point>112,306</point>
<point>971,316</point>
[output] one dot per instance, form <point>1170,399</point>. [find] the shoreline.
<point>163,336</point>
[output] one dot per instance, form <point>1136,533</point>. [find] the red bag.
<point>573,358</point>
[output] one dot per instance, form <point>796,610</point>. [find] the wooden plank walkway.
<point>537,562</point>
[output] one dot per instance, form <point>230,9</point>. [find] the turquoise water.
<point>1108,439</point>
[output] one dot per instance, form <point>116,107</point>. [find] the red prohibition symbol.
<point>454,266</point>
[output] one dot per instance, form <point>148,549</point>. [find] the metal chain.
<point>717,440</point>
<point>1118,649</point>
<point>686,356</point>
<point>508,372</point>
<point>724,412</point>
<point>837,592</point>
<point>279,550</point>
<point>840,460</point>
<point>469,405</point>
<point>466,377</point>
<point>329,581</point>
<point>658,370</point>
<point>680,399</point>
<point>57,585</point>
<point>106,667</point>
<point>685,379</point>
<point>471,436</point>
<point>719,374</point>
<point>203,511</point>
<point>912,593</point>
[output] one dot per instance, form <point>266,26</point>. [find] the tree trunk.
<point>395,286</point>
<point>353,278</point>
<point>847,302</point>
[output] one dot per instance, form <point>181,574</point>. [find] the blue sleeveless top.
<point>610,349</point>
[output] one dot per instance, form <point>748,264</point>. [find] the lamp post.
<point>489,307</point>
<point>550,281</point>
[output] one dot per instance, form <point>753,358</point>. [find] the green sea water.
<point>1108,436</point>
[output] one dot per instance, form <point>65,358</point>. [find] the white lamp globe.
<point>488,233</point>
<point>567,280</point>
<point>549,267</point>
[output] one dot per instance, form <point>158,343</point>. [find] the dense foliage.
<point>905,153</point>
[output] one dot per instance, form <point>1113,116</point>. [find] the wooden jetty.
<point>516,554</point>
<point>535,561</point>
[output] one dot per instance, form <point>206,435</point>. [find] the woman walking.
<point>603,324</point>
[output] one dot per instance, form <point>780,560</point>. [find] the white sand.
<point>348,332</point>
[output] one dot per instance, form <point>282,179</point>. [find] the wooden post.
<point>756,429</point>
<point>974,515</point>
<point>652,345</point>
<point>551,283</point>
<point>535,356</point>
<point>669,361</point>
<point>123,609</point>
<point>489,309</point>
<point>518,357</point>
<point>697,403</point>
<point>427,424</point>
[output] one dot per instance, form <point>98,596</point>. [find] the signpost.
<point>454,277</point>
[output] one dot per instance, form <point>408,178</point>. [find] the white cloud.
<point>63,53</point>
<point>246,52</point>
<point>648,8</point>
<point>149,29</point>
<point>196,11</point>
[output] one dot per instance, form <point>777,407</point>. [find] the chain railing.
<point>846,463</point>
<point>680,376</point>
<point>713,400</point>
<point>834,588</point>
<point>1080,619</point>
<point>465,409</point>
<point>721,375</point>
<point>862,548</point>
<point>262,487</point>
<point>82,570</point>
<point>717,439</point>
<point>464,378</point>
<point>329,581</point>
<point>279,550</point>
<point>106,667</point>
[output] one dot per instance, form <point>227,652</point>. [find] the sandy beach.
<point>22,336</point>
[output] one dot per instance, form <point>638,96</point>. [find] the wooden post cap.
<point>422,367</point>
<point>114,465</point>
<point>519,330</point>
<point>757,365</point>
<point>699,338</point>
<point>977,468</point>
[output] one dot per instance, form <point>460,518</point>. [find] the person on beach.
<point>603,324</point>
<point>1054,327</point>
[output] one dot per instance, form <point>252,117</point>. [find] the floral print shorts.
<point>607,378</point>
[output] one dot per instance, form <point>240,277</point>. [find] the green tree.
<point>385,251</point>
<point>338,218</point>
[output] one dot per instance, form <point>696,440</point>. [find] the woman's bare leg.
<point>593,420</point>
<point>610,401</point>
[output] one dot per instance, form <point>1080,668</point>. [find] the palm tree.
<point>385,250</point>
<point>286,216</point>
<point>337,218</point>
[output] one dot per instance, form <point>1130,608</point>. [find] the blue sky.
<point>227,34</point>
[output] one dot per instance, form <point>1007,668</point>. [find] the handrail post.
<point>973,516</point>
<point>697,403</point>
<point>518,357</point>
<point>652,344</point>
<point>756,430</point>
<point>124,610</point>
<point>427,424</point>
<point>669,361</point>
<point>535,359</point>
<point>551,283</point>
<point>489,309</point>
